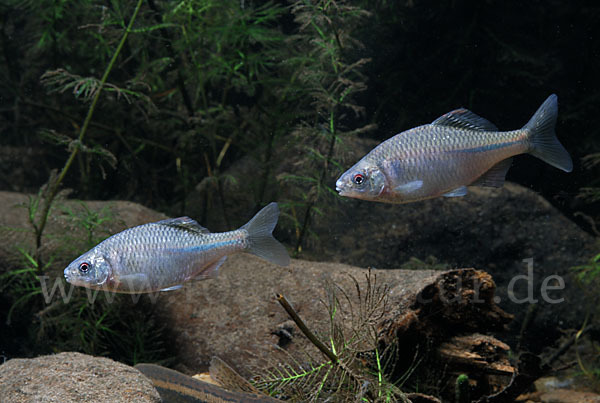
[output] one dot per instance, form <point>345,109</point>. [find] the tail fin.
<point>544,143</point>
<point>260,238</point>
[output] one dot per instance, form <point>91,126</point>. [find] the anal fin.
<point>495,176</point>
<point>211,271</point>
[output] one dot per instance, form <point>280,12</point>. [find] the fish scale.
<point>457,150</point>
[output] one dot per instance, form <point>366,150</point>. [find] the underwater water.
<point>123,113</point>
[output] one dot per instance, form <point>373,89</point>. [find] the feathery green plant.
<point>227,51</point>
<point>54,183</point>
<point>330,75</point>
<point>22,283</point>
<point>352,368</point>
<point>68,321</point>
<point>588,276</point>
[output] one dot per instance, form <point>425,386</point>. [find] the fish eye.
<point>359,179</point>
<point>84,267</point>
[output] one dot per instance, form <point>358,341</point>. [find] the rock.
<point>569,396</point>
<point>237,318</point>
<point>65,236</point>
<point>73,377</point>
<point>552,390</point>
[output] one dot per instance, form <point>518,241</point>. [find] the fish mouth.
<point>339,187</point>
<point>66,273</point>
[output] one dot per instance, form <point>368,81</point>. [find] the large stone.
<point>237,317</point>
<point>73,377</point>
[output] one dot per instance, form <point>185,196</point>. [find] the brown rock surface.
<point>63,237</point>
<point>73,377</point>
<point>569,396</point>
<point>559,396</point>
<point>237,317</point>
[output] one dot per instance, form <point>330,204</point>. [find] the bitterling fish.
<point>457,150</point>
<point>164,254</point>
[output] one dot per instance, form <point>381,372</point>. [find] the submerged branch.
<point>300,323</point>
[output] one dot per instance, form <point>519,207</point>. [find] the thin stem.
<point>320,183</point>
<point>54,185</point>
<point>179,61</point>
<point>314,340</point>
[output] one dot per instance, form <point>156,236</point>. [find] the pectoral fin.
<point>458,192</point>
<point>175,287</point>
<point>135,282</point>
<point>409,187</point>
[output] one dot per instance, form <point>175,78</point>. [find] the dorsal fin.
<point>465,119</point>
<point>185,223</point>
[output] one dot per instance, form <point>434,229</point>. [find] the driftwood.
<point>439,334</point>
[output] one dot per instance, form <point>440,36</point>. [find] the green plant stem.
<point>267,170</point>
<point>320,184</point>
<point>54,185</point>
<point>178,59</point>
<point>310,335</point>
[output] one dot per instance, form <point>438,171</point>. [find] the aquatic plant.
<point>462,389</point>
<point>47,197</point>
<point>352,366</point>
<point>52,316</point>
<point>328,69</point>
<point>67,320</point>
<point>191,88</point>
<point>588,278</point>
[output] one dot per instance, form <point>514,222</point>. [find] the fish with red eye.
<point>161,256</point>
<point>457,150</point>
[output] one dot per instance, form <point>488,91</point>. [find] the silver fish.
<point>457,150</point>
<point>164,254</point>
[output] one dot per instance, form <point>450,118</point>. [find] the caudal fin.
<point>260,236</point>
<point>544,143</point>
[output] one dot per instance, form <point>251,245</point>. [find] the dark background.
<point>500,59</point>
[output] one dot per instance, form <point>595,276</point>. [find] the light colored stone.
<point>569,396</point>
<point>73,377</point>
